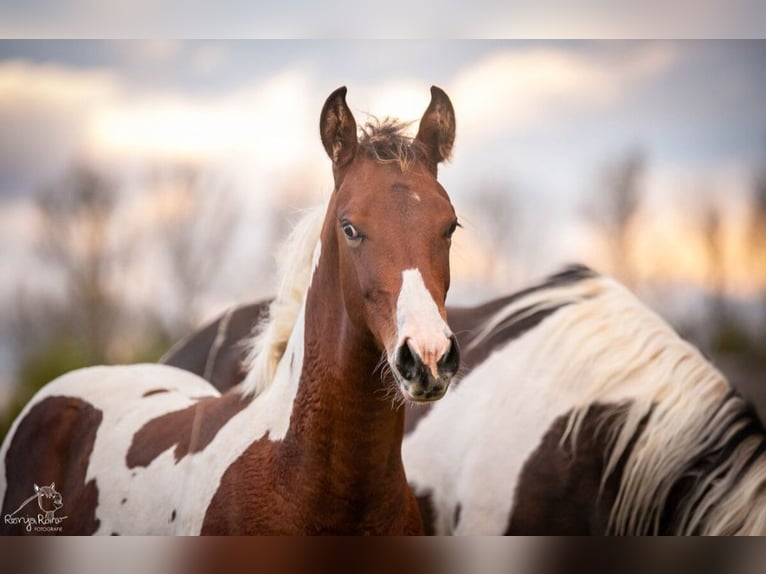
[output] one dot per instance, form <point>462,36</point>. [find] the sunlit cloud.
<point>262,134</point>
<point>429,19</point>
<point>45,112</point>
<point>267,119</point>
<point>517,89</point>
<point>52,85</point>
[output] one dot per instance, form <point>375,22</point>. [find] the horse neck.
<point>346,433</point>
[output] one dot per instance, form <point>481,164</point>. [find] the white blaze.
<point>418,319</point>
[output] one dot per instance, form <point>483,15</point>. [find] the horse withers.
<point>309,443</point>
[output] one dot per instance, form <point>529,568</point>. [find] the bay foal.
<point>310,443</point>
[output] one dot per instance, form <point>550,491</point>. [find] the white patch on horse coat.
<point>484,431</point>
<point>418,319</point>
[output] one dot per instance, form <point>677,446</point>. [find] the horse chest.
<point>302,499</point>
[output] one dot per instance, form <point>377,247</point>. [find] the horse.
<point>601,419</point>
<point>311,442</point>
<point>578,410</point>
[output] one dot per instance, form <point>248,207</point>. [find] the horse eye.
<point>350,231</point>
<point>452,229</point>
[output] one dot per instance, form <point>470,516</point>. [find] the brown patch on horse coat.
<point>190,429</point>
<point>558,490</point>
<point>427,514</point>
<point>53,443</point>
<point>154,392</point>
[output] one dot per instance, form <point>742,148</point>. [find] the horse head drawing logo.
<point>48,499</point>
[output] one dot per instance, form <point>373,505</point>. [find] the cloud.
<point>44,113</point>
<point>260,136</point>
<point>515,89</point>
<point>399,19</point>
<point>54,116</point>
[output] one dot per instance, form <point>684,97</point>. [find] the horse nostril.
<point>407,363</point>
<point>450,361</point>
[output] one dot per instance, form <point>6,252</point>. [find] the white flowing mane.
<point>294,270</point>
<point>605,346</point>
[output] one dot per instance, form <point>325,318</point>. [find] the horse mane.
<point>683,427</point>
<point>294,270</point>
<point>386,141</point>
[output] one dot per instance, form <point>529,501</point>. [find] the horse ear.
<point>37,488</point>
<point>53,485</point>
<point>338,129</point>
<point>437,127</point>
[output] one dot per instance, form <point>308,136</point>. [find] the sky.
<point>395,19</point>
<point>536,120</point>
<point>541,116</point>
<point>695,105</point>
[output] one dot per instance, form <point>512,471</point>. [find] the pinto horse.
<point>599,420</point>
<point>579,411</point>
<point>310,442</point>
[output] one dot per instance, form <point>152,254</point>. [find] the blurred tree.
<point>757,234</point>
<point>73,312</point>
<point>198,231</point>
<point>75,215</point>
<point>73,321</point>
<point>611,209</point>
<point>500,225</point>
<point>712,232</point>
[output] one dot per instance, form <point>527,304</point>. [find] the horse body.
<point>307,444</point>
<point>598,420</point>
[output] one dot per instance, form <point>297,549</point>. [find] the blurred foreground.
<point>379,556</point>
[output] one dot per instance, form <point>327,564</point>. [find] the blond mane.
<point>295,264</point>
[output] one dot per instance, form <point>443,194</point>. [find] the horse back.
<point>217,351</point>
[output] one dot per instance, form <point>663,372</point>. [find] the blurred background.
<point>144,185</point>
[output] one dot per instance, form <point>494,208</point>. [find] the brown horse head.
<point>390,223</point>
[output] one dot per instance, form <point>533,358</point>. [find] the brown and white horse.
<point>310,443</point>
<point>598,420</point>
<point>579,411</point>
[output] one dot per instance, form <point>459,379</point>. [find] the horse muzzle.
<point>423,373</point>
